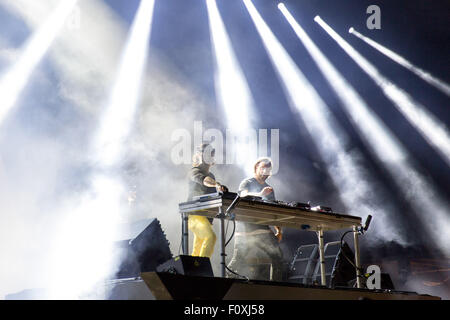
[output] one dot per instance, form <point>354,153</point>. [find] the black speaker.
<point>386,282</point>
<point>143,248</point>
<point>343,271</point>
<point>188,265</point>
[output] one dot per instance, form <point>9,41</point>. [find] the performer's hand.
<point>221,188</point>
<point>278,233</point>
<point>266,191</point>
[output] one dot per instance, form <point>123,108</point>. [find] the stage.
<point>265,136</point>
<point>166,286</point>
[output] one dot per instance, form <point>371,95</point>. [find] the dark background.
<point>416,29</point>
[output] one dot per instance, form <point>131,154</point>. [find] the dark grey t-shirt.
<point>196,187</point>
<point>252,185</point>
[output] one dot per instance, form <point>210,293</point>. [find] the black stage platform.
<point>168,286</point>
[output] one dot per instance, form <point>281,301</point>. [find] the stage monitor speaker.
<point>386,282</point>
<point>301,268</point>
<point>143,248</point>
<point>343,271</point>
<point>187,265</point>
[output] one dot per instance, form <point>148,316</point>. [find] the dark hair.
<point>263,159</point>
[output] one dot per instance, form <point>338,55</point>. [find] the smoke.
<point>85,55</point>
<point>30,172</point>
<point>45,164</point>
<point>250,258</point>
<point>45,167</point>
<point>168,104</point>
<point>7,55</point>
<point>422,285</point>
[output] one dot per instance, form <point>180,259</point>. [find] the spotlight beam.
<point>232,87</point>
<point>15,80</point>
<point>119,115</point>
<point>101,205</point>
<point>355,106</point>
<point>377,137</point>
<point>433,131</point>
<point>349,176</point>
<point>426,76</point>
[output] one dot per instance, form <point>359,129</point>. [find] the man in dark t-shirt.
<point>197,176</point>
<point>252,240</point>
<point>201,182</point>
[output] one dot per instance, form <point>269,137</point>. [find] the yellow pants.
<point>204,236</point>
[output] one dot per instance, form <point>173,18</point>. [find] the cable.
<point>231,237</point>
<point>226,232</point>
<point>230,214</point>
<point>348,259</point>
<point>361,230</point>
<point>237,274</point>
<point>232,234</point>
<point>342,249</point>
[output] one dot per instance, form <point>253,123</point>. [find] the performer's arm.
<point>197,176</point>
<point>264,192</point>
<point>210,182</point>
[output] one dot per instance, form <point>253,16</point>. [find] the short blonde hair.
<point>261,160</point>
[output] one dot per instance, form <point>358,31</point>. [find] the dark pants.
<point>251,251</point>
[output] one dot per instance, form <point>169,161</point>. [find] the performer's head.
<point>263,168</point>
<point>204,155</point>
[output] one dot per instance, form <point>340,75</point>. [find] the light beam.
<point>349,176</point>
<point>97,216</point>
<point>379,139</point>
<point>14,81</point>
<point>424,75</point>
<point>233,91</point>
<point>119,115</point>
<point>433,131</point>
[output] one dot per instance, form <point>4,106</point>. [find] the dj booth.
<point>229,206</point>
